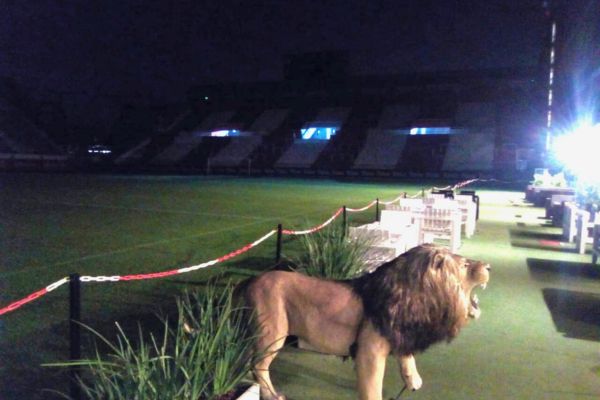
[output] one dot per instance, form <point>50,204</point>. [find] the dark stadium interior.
<point>140,139</point>
<point>164,78</point>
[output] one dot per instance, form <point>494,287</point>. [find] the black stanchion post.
<point>279,237</point>
<point>377,210</point>
<point>74,332</point>
<point>344,221</point>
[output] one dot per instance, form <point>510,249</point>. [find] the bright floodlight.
<point>579,152</point>
<point>224,133</point>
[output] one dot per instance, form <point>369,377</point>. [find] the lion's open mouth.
<point>474,302</point>
<point>474,311</point>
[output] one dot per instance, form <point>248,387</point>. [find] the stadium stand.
<point>240,148</point>
<point>389,126</point>
<point>134,154</point>
<point>269,120</point>
<point>25,137</point>
<point>186,142</point>
<point>423,153</point>
<point>382,150</point>
<point>201,156</point>
<point>474,149</point>
<point>233,149</point>
<point>169,126</point>
<point>301,154</point>
<point>23,145</point>
<point>183,144</point>
<point>275,143</point>
<point>385,144</point>
<point>345,146</point>
<point>236,152</point>
<point>304,153</point>
<point>470,152</point>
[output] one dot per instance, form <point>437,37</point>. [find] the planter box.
<point>252,393</point>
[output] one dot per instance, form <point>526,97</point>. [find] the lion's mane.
<point>415,299</point>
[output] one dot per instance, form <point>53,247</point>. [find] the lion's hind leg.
<point>273,334</point>
<point>261,369</point>
<point>264,295</point>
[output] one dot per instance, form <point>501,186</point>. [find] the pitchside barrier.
<point>75,279</point>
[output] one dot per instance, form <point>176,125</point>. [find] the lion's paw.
<point>272,396</point>
<point>414,382</point>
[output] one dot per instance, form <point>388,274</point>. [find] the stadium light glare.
<point>318,132</point>
<point>578,151</point>
<point>225,133</point>
<point>99,149</point>
<point>438,130</point>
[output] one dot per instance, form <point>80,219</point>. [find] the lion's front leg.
<point>373,350</point>
<point>410,374</point>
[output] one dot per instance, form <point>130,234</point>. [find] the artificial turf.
<point>537,337</point>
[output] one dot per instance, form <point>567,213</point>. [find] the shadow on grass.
<point>529,234</point>
<point>541,269</point>
<point>314,374</point>
<point>549,245</point>
<point>539,240</point>
<point>575,314</point>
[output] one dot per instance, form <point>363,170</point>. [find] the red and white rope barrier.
<point>371,204</point>
<point>33,296</point>
<point>154,275</point>
<point>387,203</point>
<point>117,278</point>
<point>316,228</point>
<point>465,183</point>
<point>458,185</point>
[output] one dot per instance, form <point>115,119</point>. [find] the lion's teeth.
<point>483,286</point>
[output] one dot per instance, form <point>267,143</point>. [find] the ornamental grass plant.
<point>330,254</point>
<point>206,356</point>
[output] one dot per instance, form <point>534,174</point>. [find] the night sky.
<point>152,51</point>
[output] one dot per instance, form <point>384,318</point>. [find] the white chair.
<point>438,222</point>
<point>466,207</point>
<point>393,235</point>
<point>372,234</point>
<point>411,205</point>
<point>435,200</point>
<point>595,243</point>
<point>569,220</point>
<point>468,210</point>
<point>584,225</point>
<point>555,202</point>
<point>436,196</point>
<point>400,229</point>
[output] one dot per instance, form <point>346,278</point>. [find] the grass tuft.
<point>330,254</point>
<point>208,354</point>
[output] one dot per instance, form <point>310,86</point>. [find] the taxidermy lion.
<point>407,304</point>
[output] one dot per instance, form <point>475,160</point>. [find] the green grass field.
<point>537,338</point>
